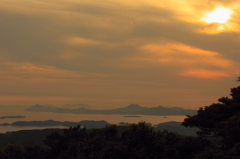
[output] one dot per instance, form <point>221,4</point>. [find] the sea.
<point>112,119</point>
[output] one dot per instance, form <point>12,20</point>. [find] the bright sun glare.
<point>218,15</point>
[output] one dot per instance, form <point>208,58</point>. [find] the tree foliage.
<point>138,141</point>
<point>210,119</point>
<point>221,123</point>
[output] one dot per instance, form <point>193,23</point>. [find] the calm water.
<point>112,119</point>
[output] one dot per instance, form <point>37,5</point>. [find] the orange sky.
<point>111,53</point>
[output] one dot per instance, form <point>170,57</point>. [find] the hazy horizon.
<point>75,106</point>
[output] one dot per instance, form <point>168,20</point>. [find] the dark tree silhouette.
<point>210,119</point>
<point>221,123</point>
<point>12,151</point>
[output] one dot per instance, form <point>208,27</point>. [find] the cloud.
<point>184,55</point>
<point>208,74</point>
<point>70,55</point>
<point>82,41</point>
<point>30,73</point>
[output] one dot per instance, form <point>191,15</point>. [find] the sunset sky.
<point>112,53</point>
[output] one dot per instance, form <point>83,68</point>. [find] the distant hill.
<point>176,127</point>
<point>172,126</point>
<point>88,123</point>
<point>36,136</point>
<point>26,136</point>
<point>4,117</point>
<point>131,109</point>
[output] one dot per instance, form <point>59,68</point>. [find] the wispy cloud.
<point>82,41</point>
<point>184,55</point>
<point>208,74</point>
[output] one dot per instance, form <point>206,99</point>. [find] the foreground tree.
<point>221,123</point>
<point>12,151</point>
<point>212,119</point>
<point>138,141</point>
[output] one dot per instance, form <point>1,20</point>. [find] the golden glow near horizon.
<point>218,15</point>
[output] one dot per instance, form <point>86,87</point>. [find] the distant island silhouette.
<point>90,124</point>
<point>129,116</point>
<point>4,117</point>
<point>132,109</point>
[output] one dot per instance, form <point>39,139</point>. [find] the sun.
<point>218,15</point>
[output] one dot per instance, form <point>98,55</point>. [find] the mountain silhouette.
<point>132,109</point>
<point>87,123</point>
